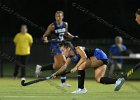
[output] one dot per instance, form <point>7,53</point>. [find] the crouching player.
<point>85,58</point>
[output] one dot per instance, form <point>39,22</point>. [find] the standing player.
<point>116,49</point>
<point>23,42</point>
<point>138,16</point>
<point>60,29</point>
<point>84,57</point>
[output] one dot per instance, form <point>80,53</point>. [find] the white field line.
<point>24,96</point>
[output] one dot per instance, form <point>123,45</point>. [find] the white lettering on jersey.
<point>60,30</point>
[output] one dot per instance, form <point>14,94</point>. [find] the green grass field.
<point>11,89</point>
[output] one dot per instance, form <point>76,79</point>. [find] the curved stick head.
<point>23,83</point>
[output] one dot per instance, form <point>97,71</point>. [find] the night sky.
<point>38,14</point>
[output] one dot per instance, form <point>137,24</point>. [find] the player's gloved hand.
<point>75,38</point>
<point>73,70</point>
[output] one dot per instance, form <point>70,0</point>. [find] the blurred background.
<point>38,14</point>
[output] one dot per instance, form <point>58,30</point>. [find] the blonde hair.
<point>118,37</point>
<point>59,12</point>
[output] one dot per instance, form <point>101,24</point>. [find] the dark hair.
<point>66,44</point>
<point>138,12</point>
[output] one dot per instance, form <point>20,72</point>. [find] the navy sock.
<point>81,78</point>
<point>107,80</point>
<point>47,67</point>
<point>63,78</point>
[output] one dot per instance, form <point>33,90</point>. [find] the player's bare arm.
<point>48,32</point>
<point>83,58</point>
<point>68,34</point>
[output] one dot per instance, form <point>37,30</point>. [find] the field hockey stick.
<point>75,38</point>
<point>131,71</point>
<point>23,83</point>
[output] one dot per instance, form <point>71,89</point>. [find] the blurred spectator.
<point>23,42</point>
<point>116,49</point>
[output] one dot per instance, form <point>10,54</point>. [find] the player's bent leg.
<point>81,77</point>
<point>38,70</point>
<point>81,89</point>
<point>100,72</point>
<point>59,61</point>
<point>50,66</point>
<point>99,76</point>
<point>63,81</point>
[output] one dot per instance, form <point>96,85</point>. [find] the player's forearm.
<point>46,34</point>
<point>69,35</point>
<point>82,60</point>
<point>45,37</point>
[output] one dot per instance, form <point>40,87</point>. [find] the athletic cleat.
<point>79,91</point>
<point>119,84</point>
<point>38,70</point>
<point>65,85</point>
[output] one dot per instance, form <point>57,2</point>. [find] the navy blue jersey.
<point>75,60</point>
<point>59,30</point>
<point>115,51</point>
<point>98,53</point>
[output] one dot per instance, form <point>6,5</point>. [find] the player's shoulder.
<point>28,33</point>
<point>79,48</point>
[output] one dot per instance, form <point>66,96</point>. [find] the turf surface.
<point>11,89</point>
